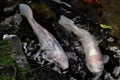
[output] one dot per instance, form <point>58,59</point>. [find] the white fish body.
<point>53,51</point>
<point>93,55</point>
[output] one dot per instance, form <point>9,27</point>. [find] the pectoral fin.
<point>105,59</point>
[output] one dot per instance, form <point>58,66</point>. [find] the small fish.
<point>53,51</point>
<point>93,56</point>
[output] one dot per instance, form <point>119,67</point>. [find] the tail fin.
<point>66,23</point>
<point>26,11</point>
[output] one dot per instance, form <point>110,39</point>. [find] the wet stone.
<point>116,71</point>
<point>48,74</point>
<point>108,77</point>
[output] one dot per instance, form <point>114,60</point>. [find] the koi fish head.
<point>26,11</point>
<point>62,62</point>
<point>64,65</point>
<point>95,64</point>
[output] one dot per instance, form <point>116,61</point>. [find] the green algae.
<point>5,77</point>
<point>22,74</point>
<point>7,60</point>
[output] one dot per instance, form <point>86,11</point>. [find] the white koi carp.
<point>93,56</point>
<point>53,50</point>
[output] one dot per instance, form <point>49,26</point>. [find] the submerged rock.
<point>16,51</point>
<point>48,74</point>
<point>116,71</point>
<point>9,72</point>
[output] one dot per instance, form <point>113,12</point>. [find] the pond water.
<point>47,14</point>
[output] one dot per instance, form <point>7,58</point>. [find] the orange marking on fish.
<point>96,58</point>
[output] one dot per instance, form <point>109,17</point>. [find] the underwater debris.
<point>13,20</point>
<point>61,2</point>
<point>114,49</point>
<point>108,77</point>
<point>11,8</point>
<point>116,71</point>
<point>110,39</point>
<point>105,26</point>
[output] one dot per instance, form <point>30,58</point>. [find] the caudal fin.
<point>26,11</point>
<point>67,23</point>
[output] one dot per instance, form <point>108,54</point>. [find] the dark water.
<point>47,14</point>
